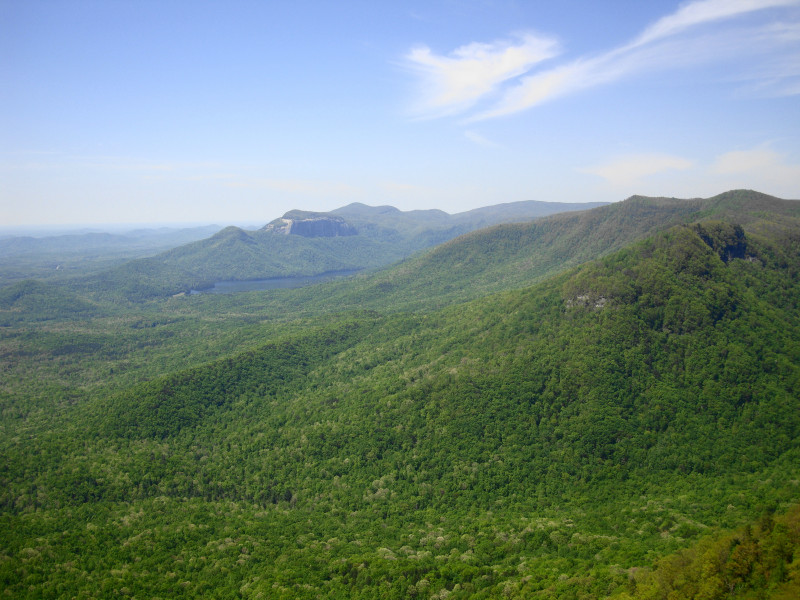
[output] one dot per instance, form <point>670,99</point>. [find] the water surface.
<point>273,283</point>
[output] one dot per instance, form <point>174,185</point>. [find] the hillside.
<point>311,224</point>
<point>510,256</point>
<point>237,254</point>
<point>754,561</point>
<point>61,256</point>
<point>363,237</point>
<point>515,255</point>
<point>544,442</point>
<point>34,300</point>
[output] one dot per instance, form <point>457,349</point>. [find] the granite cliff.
<point>311,224</point>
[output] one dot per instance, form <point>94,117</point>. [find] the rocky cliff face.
<point>727,240</point>
<point>309,224</point>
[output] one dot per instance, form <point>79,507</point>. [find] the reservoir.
<point>272,283</point>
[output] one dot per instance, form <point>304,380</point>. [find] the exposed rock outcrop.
<point>727,240</point>
<point>310,224</point>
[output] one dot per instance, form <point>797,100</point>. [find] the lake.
<point>273,283</point>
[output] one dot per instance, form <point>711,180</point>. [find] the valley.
<point>253,285</point>
<point>515,402</point>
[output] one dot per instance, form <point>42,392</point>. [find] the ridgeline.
<point>604,403</point>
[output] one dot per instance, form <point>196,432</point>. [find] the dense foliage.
<point>589,436</point>
<point>760,560</point>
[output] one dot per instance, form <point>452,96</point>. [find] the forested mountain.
<point>135,239</point>
<point>436,226</point>
<point>515,255</point>
<point>603,432</point>
<point>376,237</point>
<point>34,300</point>
<point>60,256</point>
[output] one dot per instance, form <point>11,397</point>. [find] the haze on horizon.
<point>134,112</point>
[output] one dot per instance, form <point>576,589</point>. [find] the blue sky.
<point>235,112</point>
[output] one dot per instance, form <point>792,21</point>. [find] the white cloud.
<point>759,168</point>
<point>660,47</point>
<point>778,74</point>
<point>703,11</point>
<point>769,60</point>
<point>477,138</point>
<point>455,82</point>
<point>744,161</point>
<point>627,171</point>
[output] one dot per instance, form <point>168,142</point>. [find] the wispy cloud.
<point>477,138</point>
<point>626,171</point>
<point>759,166</point>
<point>700,12</point>
<point>778,74</point>
<point>476,73</point>
<point>665,44</point>
<point>453,83</point>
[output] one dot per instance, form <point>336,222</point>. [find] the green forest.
<point>600,404</point>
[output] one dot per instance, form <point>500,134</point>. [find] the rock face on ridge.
<point>311,225</point>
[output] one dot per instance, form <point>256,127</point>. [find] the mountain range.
<point>355,237</point>
<point>60,256</point>
<point>596,404</point>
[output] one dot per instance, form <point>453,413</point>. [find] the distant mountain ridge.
<point>495,258</point>
<point>144,239</point>
<point>60,256</point>
<point>515,255</point>
<point>351,238</point>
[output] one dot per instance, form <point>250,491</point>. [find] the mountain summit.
<point>310,224</point>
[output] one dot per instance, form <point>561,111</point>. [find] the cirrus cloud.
<point>480,140</point>
<point>453,83</point>
<point>703,11</point>
<point>502,77</point>
<point>760,167</point>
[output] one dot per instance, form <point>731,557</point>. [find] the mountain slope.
<point>754,562</point>
<point>93,243</point>
<point>515,255</point>
<point>535,442</point>
<point>376,237</point>
<point>508,256</point>
<point>237,254</point>
<point>62,257</point>
<point>31,299</point>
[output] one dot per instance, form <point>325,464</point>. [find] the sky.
<point>190,111</point>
